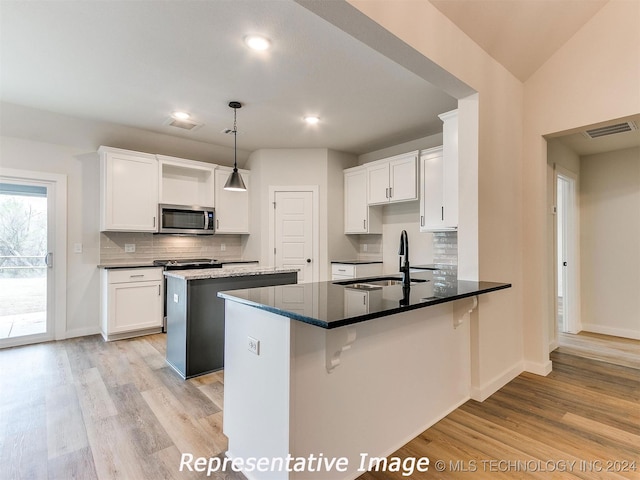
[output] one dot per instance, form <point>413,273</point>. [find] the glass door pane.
<point>23,268</point>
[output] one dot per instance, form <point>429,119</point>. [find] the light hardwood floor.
<point>86,409</point>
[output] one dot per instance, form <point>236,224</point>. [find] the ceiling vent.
<point>610,130</point>
<point>183,124</point>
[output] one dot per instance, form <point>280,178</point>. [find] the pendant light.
<point>234,182</point>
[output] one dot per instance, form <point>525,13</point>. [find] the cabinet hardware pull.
<point>159,290</point>
<point>422,220</point>
<point>386,193</point>
<point>217,224</point>
<point>442,213</point>
<point>364,224</point>
<point>135,276</point>
<point>154,222</point>
<point>390,192</point>
<point>364,299</point>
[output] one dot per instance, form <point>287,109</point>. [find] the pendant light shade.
<point>235,182</point>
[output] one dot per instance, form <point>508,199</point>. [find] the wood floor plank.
<point>138,419</point>
<point>66,432</point>
<point>194,402</point>
<point>215,391</point>
<point>181,427</point>
<point>94,397</point>
<point>76,465</point>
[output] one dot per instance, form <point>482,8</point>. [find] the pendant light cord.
<point>235,141</point>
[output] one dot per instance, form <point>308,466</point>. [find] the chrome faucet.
<point>404,266</point>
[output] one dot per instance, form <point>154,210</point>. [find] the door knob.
<point>308,260</point>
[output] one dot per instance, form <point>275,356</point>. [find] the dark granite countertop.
<point>356,262</point>
<point>330,298</point>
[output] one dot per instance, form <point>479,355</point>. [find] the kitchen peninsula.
<point>319,380</point>
<point>195,314</point>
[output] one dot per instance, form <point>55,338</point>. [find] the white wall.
<point>610,242</point>
<point>585,82</point>
<point>283,167</point>
<point>82,289</point>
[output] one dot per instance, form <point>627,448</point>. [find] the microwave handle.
<point>206,220</point>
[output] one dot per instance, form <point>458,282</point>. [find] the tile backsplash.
<point>150,247</point>
<point>445,248</point>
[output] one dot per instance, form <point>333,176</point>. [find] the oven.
<point>182,264</point>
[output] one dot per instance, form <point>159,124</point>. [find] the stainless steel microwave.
<point>186,220</point>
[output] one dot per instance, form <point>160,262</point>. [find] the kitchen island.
<point>195,314</point>
<point>305,375</point>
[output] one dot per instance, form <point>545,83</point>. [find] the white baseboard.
<point>542,369</point>
<point>481,393</point>
<point>613,331</point>
<point>81,332</point>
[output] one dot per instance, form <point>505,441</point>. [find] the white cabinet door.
<point>232,208</point>
<point>356,302</point>
<point>431,190</point>
<point>378,183</point>
<point>358,217</point>
<point>134,306</point>
<point>393,179</point>
<point>128,191</point>
<point>403,179</point>
<point>355,201</point>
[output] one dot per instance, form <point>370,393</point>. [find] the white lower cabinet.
<point>347,271</point>
<point>132,302</point>
<point>360,302</point>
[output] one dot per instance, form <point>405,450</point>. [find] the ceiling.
<point>134,62</point>
<point>520,34</point>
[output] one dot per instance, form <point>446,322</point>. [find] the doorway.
<point>29,276</point>
<point>567,258</point>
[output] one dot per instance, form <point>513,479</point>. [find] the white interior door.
<point>567,312</point>
<point>293,230</point>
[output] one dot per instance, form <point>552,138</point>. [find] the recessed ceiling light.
<point>312,119</point>
<point>181,115</point>
<point>257,42</point>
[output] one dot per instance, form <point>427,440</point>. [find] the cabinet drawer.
<point>343,269</point>
<point>129,275</point>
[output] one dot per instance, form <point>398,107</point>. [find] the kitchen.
<point>499,349</point>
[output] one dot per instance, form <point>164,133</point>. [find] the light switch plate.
<point>253,345</point>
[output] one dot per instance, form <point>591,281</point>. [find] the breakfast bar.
<point>344,370</point>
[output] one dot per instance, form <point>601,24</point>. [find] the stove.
<point>187,263</point>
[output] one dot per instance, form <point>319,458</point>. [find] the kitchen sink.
<point>375,283</point>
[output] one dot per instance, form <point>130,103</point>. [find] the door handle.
<point>48,259</point>
<point>308,260</point>
<point>564,264</point>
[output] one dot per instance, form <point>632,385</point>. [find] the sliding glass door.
<point>26,264</point>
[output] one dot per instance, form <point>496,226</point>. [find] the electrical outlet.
<point>175,298</point>
<point>223,247</point>
<point>129,247</point>
<point>253,345</point>
<point>364,247</point>
<point>77,248</point>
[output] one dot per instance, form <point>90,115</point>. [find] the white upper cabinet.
<point>232,208</point>
<point>358,217</point>
<point>439,180</point>
<point>128,190</point>
<point>393,179</point>
<point>186,182</point>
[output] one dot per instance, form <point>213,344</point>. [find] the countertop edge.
<point>207,273</point>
